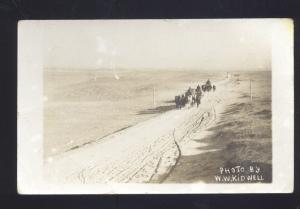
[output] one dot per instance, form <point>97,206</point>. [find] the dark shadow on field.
<point>159,109</point>
<point>264,114</point>
<point>90,142</point>
<point>233,141</point>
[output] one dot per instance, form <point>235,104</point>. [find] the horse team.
<point>193,96</point>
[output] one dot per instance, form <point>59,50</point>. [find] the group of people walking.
<point>193,96</point>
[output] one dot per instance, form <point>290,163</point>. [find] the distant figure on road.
<point>189,101</point>
<point>182,101</point>
<point>214,87</point>
<point>189,92</point>
<point>208,86</point>
<point>198,90</point>
<point>198,100</point>
<point>177,102</point>
<point>208,83</point>
<point>193,100</point>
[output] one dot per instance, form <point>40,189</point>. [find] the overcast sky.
<point>158,44</point>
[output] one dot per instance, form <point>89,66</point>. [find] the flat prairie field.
<point>83,106</point>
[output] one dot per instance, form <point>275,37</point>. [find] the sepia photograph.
<point>155,106</point>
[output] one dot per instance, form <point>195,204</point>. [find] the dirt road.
<point>146,152</point>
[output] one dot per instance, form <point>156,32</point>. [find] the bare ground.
<point>179,145</point>
<point>84,106</point>
<point>242,136</point>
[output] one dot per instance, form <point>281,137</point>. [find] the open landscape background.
<point>81,107</point>
<point>86,105</point>
<point>109,89</point>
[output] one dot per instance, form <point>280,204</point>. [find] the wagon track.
<point>137,153</point>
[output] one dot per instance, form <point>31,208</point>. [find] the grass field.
<point>83,106</point>
<point>241,137</point>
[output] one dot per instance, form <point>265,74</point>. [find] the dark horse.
<point>198,88</point>
<point>183,100</point>
<point>177,102</point>
<point>207,86</point>
<point>198,100</point>
<point>180,101</point>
